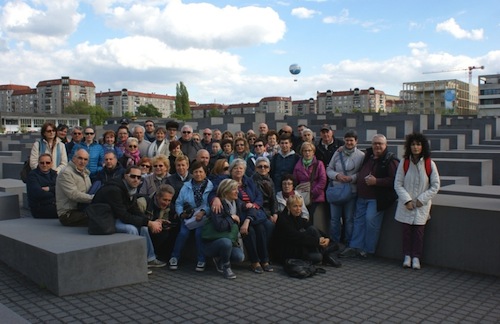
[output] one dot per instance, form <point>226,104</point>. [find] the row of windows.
<point>489,92</point>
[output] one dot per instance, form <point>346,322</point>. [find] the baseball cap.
<point>124,121</point>
<point>326,127</point>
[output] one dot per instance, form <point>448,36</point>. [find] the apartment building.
<point>303,107</point>
<point>281,105</point>
<point>117,103</point>
<point>55,95</point>
<point>355,100</point>
<point>17,99</point>
<point>440,96</point>
<point>489,95</point>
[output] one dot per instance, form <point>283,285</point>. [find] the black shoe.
<point>332,260</point>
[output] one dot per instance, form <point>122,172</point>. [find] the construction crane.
<point>470,68</point>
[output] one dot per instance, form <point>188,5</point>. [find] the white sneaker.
<point>200,266</point>
<point>416,263</point>
<point>407,262</point>
<point>172,263</point>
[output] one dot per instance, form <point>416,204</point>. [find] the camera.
<point>188,211</point>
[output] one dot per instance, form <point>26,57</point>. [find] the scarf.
<point>307,163</point>
<point>287,195</point>
<point>348,152</point>
<point>133,158</point>
<point>198,189</point>
<point>265,184</point>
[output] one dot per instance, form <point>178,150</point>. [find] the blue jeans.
<point>224,249</point>
<point>367,224</point>
<point>346,213</point>
<point>181,241</point>
<point>121,227</point>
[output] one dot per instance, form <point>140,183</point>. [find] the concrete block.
<point>9,206</point>
<point>8,316</point>
<point>13,186</point>
<point>66,260</point>
<point>450,180</point>
<point>479,171</point>
<point>462,234</point>
<point>11,170</point>
<point>471,191</point>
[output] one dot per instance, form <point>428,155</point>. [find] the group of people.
<point>258,191</point>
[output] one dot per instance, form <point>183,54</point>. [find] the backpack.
<point>25,171</point>
<point>298,268</point>
<point>427,162</point>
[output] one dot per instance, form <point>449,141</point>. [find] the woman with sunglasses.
<point>220,171</point>
<point>152,182</point>
<point>146,166</point>
<point>51,144</point>
<point>266,186</point>
<point>242,151</point>
<point>131,155</point>
<point>95,150</point>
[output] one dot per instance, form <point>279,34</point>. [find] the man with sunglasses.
<point>188,146</point>
<point>121,196</point>
<point>72,185</point>
<point>76,138</point>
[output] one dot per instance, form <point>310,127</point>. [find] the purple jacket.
<point>302,174</point>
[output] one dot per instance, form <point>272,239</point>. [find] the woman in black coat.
<point>40,188</point>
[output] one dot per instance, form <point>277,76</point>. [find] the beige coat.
<point>71,188</point>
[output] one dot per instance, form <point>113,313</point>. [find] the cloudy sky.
<point>232,51</point>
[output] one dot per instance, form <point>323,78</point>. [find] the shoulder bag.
<point>304,188</point>
<point>340,193</point>
<point>100,219</point>
<point>209,233</point>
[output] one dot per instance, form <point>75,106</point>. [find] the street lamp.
<point>312,109</point>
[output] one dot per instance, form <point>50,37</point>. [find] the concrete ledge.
<point>9,206</point>
<point>462,234</point>
<point>10,317</point>
<point>67,260</point>
<point>471,191</point>
<point>482,169</point>
<point>450,180</point>
<point>13,186</point>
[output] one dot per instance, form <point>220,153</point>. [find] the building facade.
<point>440,96</point>
<point>489,95</point>
<point>117,103</point>
<point>355,100</point>
<point>281,105</point>
<point>17,98</point>
<point>55,95</point>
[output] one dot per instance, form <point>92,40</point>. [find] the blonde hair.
<point>225,187</point>
<point>163,159</point>
<point>294,199</point>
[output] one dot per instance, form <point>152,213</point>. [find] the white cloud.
<point>42,26</point>
<point>201,25</point>
<point>342,18</point>
<point>304,13</point>
<point>452,27</point>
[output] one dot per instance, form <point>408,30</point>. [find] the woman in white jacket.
<point>416,183</point>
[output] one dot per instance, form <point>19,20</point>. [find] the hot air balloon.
<point>294,70</point>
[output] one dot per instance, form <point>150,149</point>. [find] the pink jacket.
<point>302,174</point>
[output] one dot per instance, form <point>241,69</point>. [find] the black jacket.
<point>124,207</point>
<point>325,154</point>
<point>37,197</point>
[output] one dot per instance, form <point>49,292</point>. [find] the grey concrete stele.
<point>67,260</point>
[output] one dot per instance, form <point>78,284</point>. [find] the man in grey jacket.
<point>72,185</point>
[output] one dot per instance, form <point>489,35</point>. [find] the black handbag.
<point>101,219</point>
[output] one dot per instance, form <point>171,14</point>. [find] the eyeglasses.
<point>237,145</point>
<point>135,176</point>
<point>89,134</point>
<point>145,166</point>
<point>75,133</point>
<point>285,132</point>
<point>251,139</point>
<point>49,131</point>
<point>82,158</point>
<point>287,183</point>
<point>44,163</point>
<point>186,132</point>
<point>158,165</point>
<point>258,145</point>
<point>262,166</point>
<point>132,146</point>
<point>206,134</point>
<point>226,168</point>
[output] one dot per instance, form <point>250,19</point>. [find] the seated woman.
<point>152,181</point>
<point>41,188</point>
<point>192,202</point>
<point>299,240</point>
<point>256,228</point>
<point>224,250</point>
<point>287,190</point>
<point>131,154</point>
<point>266,186</point>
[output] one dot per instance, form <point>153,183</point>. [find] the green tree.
<point>214,112</point>
<point>182,108</point>
<point>97,114</point>
<point>148,111</point>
